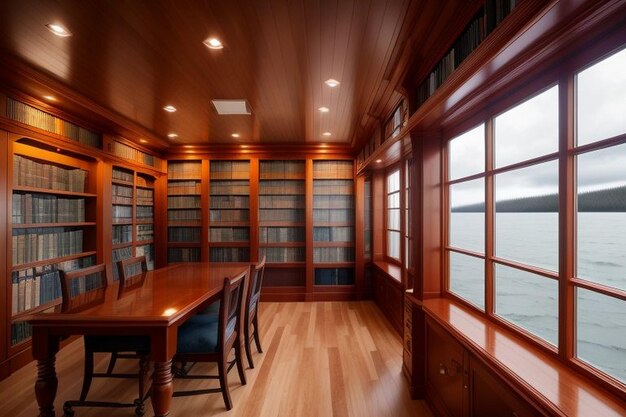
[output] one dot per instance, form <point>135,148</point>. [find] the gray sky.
<point>530,129</point>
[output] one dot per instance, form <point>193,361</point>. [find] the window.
<point>408,214</point>
<point>506,176</point>
<point>393,215</point>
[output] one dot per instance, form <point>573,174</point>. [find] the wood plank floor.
<point>320,359</point>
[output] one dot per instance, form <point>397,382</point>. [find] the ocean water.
<point>530,300</point>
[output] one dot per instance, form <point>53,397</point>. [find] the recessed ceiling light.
<point>326,134</point>
<point>331,82</point>
<point>172,135</point>
<point>58,30</point>
<point>169,108</point>
<point>188,146</point>
<point>244,146</point>
<point>235,135</point>
<point>324,109</point>
<point>213,43</point>
<point>378,161</point>
<point>143,141</point>
<point>232,107</point>
<point>50,98</point>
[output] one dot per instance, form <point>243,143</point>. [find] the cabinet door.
<point>445,371</point>
<point>491,397</point>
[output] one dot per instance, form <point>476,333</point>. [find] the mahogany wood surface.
<point>168,296</point>
<point>551,385</point>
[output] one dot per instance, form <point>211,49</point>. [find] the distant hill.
<point>609,200</point>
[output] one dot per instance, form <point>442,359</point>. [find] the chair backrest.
<point>83,288</point>
<point>132,272</point>
<point>254,289</point>
<point>230,308</point>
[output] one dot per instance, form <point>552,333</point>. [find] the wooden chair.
<point>85,288</point>
<point>206,338</point>
<point>252,310</point>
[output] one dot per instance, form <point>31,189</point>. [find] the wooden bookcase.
<point>184,211</point>
<point>229,211</point>
<point>333,225</point>
<point>52,227</point>
<point>282,222</point>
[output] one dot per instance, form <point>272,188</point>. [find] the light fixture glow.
<point>188,146</point>
<point>172,135</point>
<point>378,161</point>
<point>244,146</point>
<point>143,141</point>
<point>50,98</point>
<point>169,108</point>
<point>213,43</point>
<point>235,135</point>
<point>324,109</point>
<point>326,134</point>
<point>58,30</point>
<point>332,83</point>
<point>168,312</point>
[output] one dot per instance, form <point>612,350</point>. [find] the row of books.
<point>229,202</point>
<point>183,202</point>
<point>281,169</point>
<point>31,245</point>
<point>122,234</point>
<point>333,187</point>
<point>122,175</point>
<point>32,287</point>
<point>144,212</point>
<point>367,218</point>
<point>31,116</point>
<point>183,254</point>
<point>241,215</point>
<point>86,283</point>
<point>183,234</point>
<point>282,201</point>
<point>334,276</point>
<point>333,234</point>
<point>333,201</point>
<point>333,169</point>
<point>118,255</point>
<point>230,188</point>
<point>336,254</point>
<point>225,170</point>
<point>399,118</point>
<point>229,234</point>
<point>229,255</point>
<point>184,188</point>
<point>276,255</point>
<point>281,234</point>
<point>148,252</point>
<point>44,208</point>
<point>122,191</point>
<point>20,331</point>
<point>30,173</point>
<point>135,155</point>
<point>333,215</point>
<point>184,215</point>
<point>145,232</point>
<point>281,187</point>
<point>281,215</point>
<point>122,213</point>
<point>184,170</point>
<point>145,197</point>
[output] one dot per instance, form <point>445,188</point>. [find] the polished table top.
<point>166,296</point>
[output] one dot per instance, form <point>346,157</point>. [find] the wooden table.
<point>166,299</point>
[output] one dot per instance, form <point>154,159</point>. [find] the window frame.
<point>566,156</point>
<point>388,172</point>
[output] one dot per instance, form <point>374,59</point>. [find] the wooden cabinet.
<point>389,295</point>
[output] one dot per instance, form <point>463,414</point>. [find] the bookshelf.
<point>52,227</point>
<point>184,211</point>
<point>333,223</point>
<point>282,221</point>
<point>229,211</point>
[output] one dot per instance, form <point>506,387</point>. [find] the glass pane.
<point>393,219</point>
<point>393,181</point>
<point>527,218</point>
<point>393,200</point>
<point>529,301</point>
<point>601,332</point>
<point>467,153</point>
<point>601,216</point>
<point>528,130</point>
<point>467,215</point>
<point>467,278</point>
<point>393,244</point>
<point>601,99</point>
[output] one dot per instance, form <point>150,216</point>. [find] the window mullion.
<point>489,217</point>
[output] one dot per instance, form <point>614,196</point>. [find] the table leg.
<point>46,386</point>
<point>162,388</point>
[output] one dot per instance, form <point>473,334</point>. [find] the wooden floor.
<point>320,359</point>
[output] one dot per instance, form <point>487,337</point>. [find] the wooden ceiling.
<point>129,59</point>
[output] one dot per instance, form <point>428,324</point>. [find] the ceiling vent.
<point>229,107</point>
